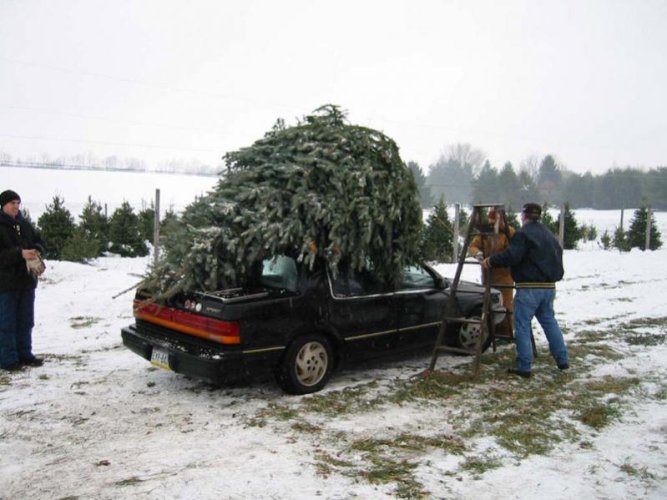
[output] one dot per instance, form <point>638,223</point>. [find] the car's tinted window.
<point>279,272</point>
<point>416,277</point>
<point>358,283</point>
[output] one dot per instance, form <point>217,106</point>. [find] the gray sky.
<point>584,80</point>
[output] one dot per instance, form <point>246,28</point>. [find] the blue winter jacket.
<point>534,257</point>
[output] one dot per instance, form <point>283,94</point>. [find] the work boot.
<point>34,361</point>
<point>514,371</point>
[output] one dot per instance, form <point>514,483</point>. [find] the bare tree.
<point>530,165</point>
<point>464,154</point>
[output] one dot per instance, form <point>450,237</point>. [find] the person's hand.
<point>486,264</point>
<point>35,266</point>
<point>29,254</point>
<point>479,256</point>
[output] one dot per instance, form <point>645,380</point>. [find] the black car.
<point>300,322</point>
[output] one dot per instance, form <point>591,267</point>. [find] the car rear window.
<point>279,272</point>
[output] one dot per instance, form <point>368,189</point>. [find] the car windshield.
<point>279,272</point>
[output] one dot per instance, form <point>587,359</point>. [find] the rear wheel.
<point>306,366</point>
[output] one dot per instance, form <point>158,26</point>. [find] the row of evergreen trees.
<point>464,177</point>
<point>126,233</point>
<point>438,234</point>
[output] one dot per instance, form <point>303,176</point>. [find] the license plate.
<point>160,358</point>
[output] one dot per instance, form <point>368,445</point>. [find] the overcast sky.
<point>584,80</point>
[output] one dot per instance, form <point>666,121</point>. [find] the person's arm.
<point>475,248</point>
<point>511,256</point>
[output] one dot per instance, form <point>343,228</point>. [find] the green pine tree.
<point>420,180</point>
<point>320,189</point>
<point>57,226</point>
<point>438,235</point>
<point>146,218</point>
<point>512,218</point>
<point>168,223</point>
<point>548,220</point>
<point>636,235</point>
<point>125,234</point>
<point>572,232</point>
<point>95,224</point>
<point>620,240</point>
<point>80,247</point>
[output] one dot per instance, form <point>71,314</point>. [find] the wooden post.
<point>156,228</point>
<point>455,243</point>
<point>561,227</point>
<point>647,246</point>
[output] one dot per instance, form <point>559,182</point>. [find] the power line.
<point>102,118</point>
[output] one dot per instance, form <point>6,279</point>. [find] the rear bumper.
<point>190,358</point>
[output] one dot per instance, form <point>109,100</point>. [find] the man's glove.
<point>35,266</point>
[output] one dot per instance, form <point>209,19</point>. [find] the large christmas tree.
<point>322,188</point>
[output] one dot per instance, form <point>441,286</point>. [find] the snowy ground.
<point>97,421</point>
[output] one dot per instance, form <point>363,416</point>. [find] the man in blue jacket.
<point>20,246</point>
<point>535,259</point>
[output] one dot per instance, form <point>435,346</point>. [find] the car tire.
<point>467,334</point>
<point>306,365</point>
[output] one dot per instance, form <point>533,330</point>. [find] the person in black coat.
<point>20,248</point>
<point>535,259</point>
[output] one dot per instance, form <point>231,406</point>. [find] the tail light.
<point>223,332</point>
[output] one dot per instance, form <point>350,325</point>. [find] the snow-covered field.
<point>37,187</point>
<point>97,421</point>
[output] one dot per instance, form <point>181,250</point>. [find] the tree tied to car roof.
<point>321,188</point>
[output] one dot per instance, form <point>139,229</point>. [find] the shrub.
<point>80,247</point>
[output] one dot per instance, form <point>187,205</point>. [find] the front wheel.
<point>468,334</point>
<point>306,365</point>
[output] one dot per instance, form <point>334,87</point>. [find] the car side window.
<point>358,283</point>
<point>416,277</point>
<point>279,272</point>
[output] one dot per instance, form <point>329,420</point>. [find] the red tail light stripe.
<point>224,332</point>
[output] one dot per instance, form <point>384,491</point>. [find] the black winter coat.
<point>534,257</point>
<point>16,235</point>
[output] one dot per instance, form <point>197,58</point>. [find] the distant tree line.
<point>110,163</point>
<point>464,176</point>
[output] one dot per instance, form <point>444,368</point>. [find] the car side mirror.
<point>441,283</point>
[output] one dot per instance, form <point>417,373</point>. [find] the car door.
<point>362,311</point>
<point>419,303</point>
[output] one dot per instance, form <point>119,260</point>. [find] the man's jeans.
<point>16,322</point>
<point>538,303</point>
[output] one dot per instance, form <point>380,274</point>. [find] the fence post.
<point>561,227</point>
<point>156,228</point>
<point>455,243</point>
<point>647,246</point>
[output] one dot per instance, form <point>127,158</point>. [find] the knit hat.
<point>7,196</point>
<point>532,211</point>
